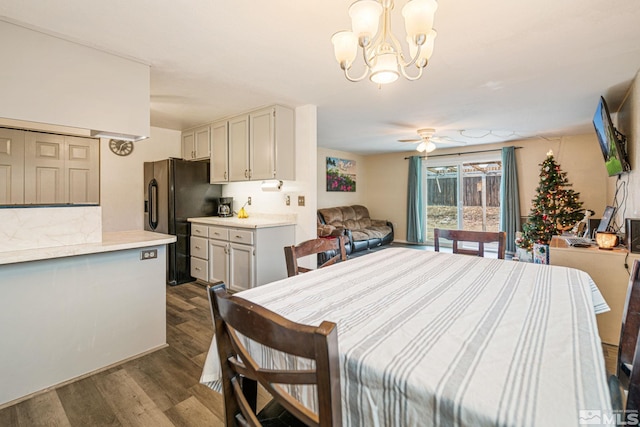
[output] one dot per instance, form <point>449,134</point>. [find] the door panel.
<point>219,261</point>
<point>219,153</point>
<point>262,145</point>
<point>82,170</point>
<point>44,168</point>
<point>239,149</point>
<point>11,167</point>
<point>241,267</point>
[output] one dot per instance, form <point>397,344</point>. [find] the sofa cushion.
<point>354,217</point>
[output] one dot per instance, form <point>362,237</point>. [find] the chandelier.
<point>381,50</point>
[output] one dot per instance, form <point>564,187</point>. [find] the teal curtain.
<point>415,203</point>
<point>509,198</point>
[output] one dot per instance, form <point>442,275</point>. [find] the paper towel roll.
<point>274,185</point>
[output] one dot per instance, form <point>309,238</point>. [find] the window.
<point>463,194</point>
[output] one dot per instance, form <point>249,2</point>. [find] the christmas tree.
<point>555,207</point>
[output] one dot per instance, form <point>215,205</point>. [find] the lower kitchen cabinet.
<point>241,257</point>
<point>219,260</point>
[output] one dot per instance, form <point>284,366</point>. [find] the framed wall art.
<point>341,175</point>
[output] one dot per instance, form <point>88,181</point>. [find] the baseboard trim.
<point>80,377</point>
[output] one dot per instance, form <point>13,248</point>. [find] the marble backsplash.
<point>44,227</point>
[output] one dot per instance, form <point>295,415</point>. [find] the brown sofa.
<point>355,221</point>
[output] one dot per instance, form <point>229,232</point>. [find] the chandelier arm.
<point>410,78</point>
<point>403,63</point>
<point>366,53</point>
<point>357,79</point>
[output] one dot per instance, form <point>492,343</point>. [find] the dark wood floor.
<point>159,389</point>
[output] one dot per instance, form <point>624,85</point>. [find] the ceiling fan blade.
<point>448,141</point>
<point>410,140</point>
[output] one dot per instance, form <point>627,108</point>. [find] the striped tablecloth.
<point>437,339</point>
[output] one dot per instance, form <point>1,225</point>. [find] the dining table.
<point>439,339</point>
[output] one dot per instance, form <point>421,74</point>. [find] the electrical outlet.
<point>287,200</point>
<point>148,254</point>
<point>249,201</point>
<point>300,200</point>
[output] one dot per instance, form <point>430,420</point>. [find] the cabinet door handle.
<point>225,174</point>
<point>238,237</point>
<point>250,173</point>
<point>197,247</point>
<point>246,173</point>
<point>197,268</point>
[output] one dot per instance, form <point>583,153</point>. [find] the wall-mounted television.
<point>612,142</point>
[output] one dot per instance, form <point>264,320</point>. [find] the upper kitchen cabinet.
<point>11,167</point>
<point>239,168</point>
<point>196,143</point>
<point>260,145</point>
<point>272,143</point>
<point>219,152</point>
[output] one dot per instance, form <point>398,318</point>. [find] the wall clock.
<point>121,147</point>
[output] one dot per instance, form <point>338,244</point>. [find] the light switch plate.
<point>300,200</point>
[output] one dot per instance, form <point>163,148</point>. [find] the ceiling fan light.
<point>421,147</point>
<point>430,146</point>
<point>385,70</point>
<point>418,17</point>
<point>345,47</point>
<point>365,17</point>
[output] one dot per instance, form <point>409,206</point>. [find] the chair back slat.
<point>312,247</point>
<point>479,237</point>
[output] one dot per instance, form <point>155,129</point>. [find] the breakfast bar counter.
<point>113,241</point>
<point>70,310</point>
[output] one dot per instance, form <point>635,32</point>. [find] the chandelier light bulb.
<point>386,69</point>
<point>365,17</point>
<point>418,17</point>
<point>345,45</point>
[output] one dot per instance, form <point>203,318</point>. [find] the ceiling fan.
<point>428,142</point>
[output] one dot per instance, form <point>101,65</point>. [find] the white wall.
<point>579,156</point>
<point>121,178</point>
<point>628,122</point>
<point>327,199</point>
<point>49,80</point>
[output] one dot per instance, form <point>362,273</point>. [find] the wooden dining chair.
<point>625,391</point>
<point>479,237</point>
<point>241,373</point>
<point>312,247</point>
<point>630,328</point>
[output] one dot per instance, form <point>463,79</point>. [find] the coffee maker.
<point>225,206</point>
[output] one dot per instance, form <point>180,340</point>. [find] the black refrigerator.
<point>175,190</point>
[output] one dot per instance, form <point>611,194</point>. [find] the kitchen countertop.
<point>254,220</point>
<point>111,241</point>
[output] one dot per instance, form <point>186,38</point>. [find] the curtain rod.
<point>460,154</point>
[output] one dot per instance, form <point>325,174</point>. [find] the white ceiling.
<point>517,68</point>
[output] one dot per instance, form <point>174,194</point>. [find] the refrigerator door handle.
<point>153,203</point>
